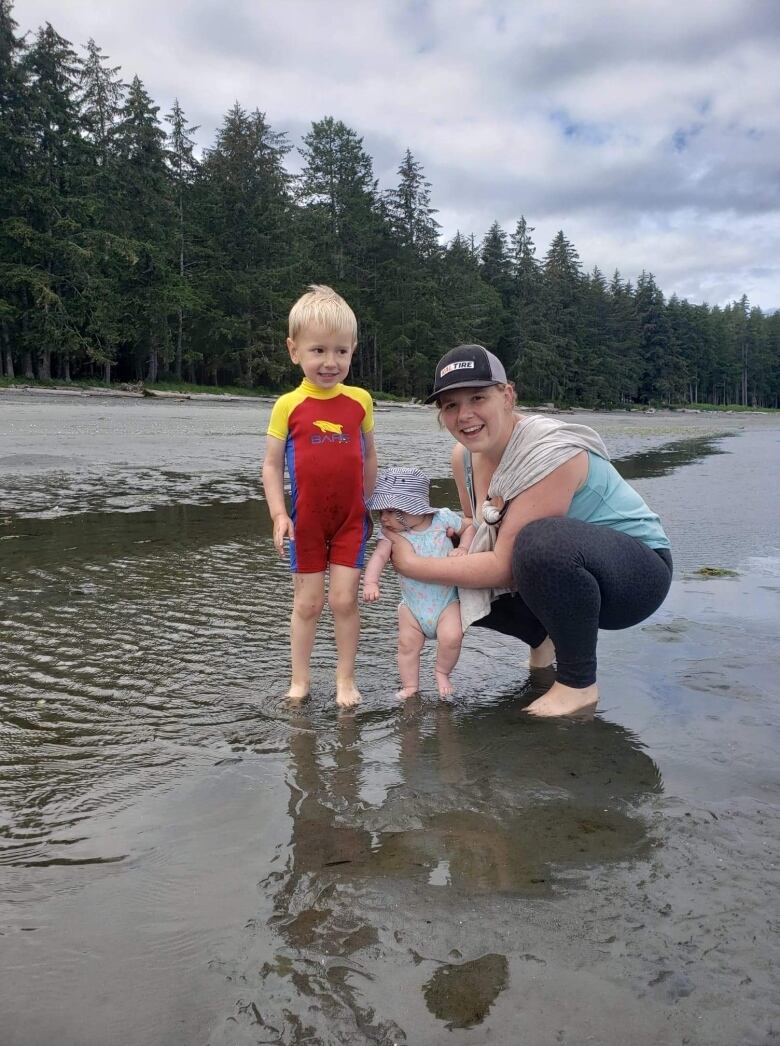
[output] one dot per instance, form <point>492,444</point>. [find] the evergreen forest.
<point>125,256</point>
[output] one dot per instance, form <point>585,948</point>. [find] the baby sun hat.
<point>404,489</point>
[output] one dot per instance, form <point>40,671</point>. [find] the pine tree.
<point>473,310</point>
<point>664,375</point>
<point>55,251</point>
<point>147,220</point>
<point>338,190</point>
<point>496,271</point>
<point>528,353</point>
<point>622,360</point>
<point>564,289</point>
<point>183,170</point>
<point>101,98</point>
<point>14,153</point>
<point>407,298</point>
<point>246,252</point>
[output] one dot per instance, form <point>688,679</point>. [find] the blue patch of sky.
<point>584,131</point>
<point>683,136</point>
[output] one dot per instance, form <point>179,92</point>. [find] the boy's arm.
<point>374,568</point>
<point>369,464</point>
<point>273,485</point>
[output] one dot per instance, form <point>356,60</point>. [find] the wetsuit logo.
<point>328,426</point>
<point>331,432</point>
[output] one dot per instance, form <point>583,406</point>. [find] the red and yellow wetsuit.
<point>323,432</point>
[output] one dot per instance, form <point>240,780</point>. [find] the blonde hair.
<point>321,307</point>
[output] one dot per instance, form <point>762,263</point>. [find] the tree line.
<point>125,256</point>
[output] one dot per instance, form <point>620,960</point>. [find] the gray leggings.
<point>573,578</point>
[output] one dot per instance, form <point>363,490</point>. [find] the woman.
<point>564,545</point>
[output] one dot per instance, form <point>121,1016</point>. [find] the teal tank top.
<point>607,500</point>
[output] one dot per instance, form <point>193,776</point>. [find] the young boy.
<point>427,610</point>
<point>323,431</point>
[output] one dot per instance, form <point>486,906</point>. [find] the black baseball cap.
<point>465,367</point>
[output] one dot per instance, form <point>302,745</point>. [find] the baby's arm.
<point>466,532</point>
<point>273,485</point>
<point>466,536</point>
<point>374,568</point>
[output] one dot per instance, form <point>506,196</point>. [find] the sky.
<point>647,130</point>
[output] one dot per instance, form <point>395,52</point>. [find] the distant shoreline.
<point>100,391</point>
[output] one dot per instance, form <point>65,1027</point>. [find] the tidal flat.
<point>188,860</point>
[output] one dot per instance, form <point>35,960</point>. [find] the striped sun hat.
<point>405,489</point>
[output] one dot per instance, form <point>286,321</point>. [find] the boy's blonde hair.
<point>321,307</point>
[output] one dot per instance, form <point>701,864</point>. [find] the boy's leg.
<point>449,636</point>
<point>342,598</point>
<point>308,601</point>
<point>410,643</point>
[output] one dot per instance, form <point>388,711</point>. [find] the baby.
<point>427,610</point>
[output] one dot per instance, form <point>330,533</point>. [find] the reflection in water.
<point>483,802</point>
<point>462,995</point>
<point>663,460</point>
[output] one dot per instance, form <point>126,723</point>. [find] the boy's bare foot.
<point>298,691</point>
<point>347,693</point>
<point>542,656</point>
<point>443,683</point>
<point>566,700</point>
<point>407,691</point>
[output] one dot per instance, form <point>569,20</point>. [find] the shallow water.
<point>187,860</point>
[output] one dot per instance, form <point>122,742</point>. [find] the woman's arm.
<point>550,497</point>
<point>458,466</point>
<point>467,528</point>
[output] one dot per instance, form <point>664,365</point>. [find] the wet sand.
<point>187,860</point>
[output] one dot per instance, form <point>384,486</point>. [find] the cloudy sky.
<point>648,130</point>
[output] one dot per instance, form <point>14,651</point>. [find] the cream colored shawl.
<point>537,446</point>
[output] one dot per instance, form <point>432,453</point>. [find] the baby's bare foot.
<point>566,700</point>
<point>347,693</point>
<point>407,691</point>
<point>298,691</point>
<point>443,683</point>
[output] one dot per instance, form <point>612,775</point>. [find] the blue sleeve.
<point>450,518</point>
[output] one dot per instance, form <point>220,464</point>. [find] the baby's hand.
<point>370,592</point>
<point>459,551</point>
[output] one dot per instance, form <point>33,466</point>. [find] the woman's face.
<point>479,418</point>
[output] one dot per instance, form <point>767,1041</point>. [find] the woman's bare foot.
<point>542,656</point>
<point>298,691</point>
<point>565,700</point>
<point>407,691</point>
<point>443,683</point>
<point>347,693</point>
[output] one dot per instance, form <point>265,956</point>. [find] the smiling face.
<point>324,357</point>
<point>480,418</point>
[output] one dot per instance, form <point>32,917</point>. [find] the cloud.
<point>646,131</point>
